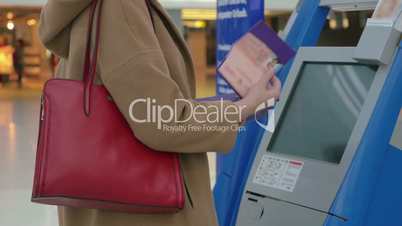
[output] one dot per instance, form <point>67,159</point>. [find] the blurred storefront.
<point>199,26</point>
<point>196,19</point>
<point>19,24</point>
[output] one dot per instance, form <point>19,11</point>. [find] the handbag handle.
<point>90,63</point>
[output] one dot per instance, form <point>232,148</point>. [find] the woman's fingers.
<point>268,75</point>
<point>269,85</point>
<point>276,86</point>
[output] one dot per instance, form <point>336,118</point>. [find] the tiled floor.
<point>18,128</point>
<point>19,113</point>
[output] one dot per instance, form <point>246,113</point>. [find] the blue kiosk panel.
<point>361,187</point>
<point>233,169</point>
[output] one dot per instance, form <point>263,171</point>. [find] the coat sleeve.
<point>142,73</point>
<point>55,23</point>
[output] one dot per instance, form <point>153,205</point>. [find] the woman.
<point>139,60</point>
<point>18,60</point>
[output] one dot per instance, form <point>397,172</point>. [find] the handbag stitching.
<point>181,180</point>
<point>48,124</point>
<point>39,155</point>
<point>39,147</point>
<point>177,180</point>
<point>40,182</point>
<point>173,168</point>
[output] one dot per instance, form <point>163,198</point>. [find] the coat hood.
<point>55,23</point>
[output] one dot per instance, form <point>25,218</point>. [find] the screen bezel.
<point>319,181</point>
<point>336,55</point>
<point>289,100</point>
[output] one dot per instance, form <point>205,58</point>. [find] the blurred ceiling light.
<point>198,24</point>
<point>198,14</point>
<point>10,15</point>
<point>345,21</point>
<point>333,24</point>
<point>10,25</point>
<point>31,22</point>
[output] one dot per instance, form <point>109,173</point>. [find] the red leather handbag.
<point>88,157</point>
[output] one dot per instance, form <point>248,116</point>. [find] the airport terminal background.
<point>19,106</point>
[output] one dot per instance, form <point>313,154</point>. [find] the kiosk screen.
<point>322,110</point>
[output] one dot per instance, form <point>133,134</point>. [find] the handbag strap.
<point>150,14</point>
<point>90,63</point>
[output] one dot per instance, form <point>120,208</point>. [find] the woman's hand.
<point>267,88</point>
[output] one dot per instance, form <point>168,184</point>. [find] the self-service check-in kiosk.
<point>335,155</point>
<point>303,29</point>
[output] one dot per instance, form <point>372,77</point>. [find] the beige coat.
<point>135,62</point>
